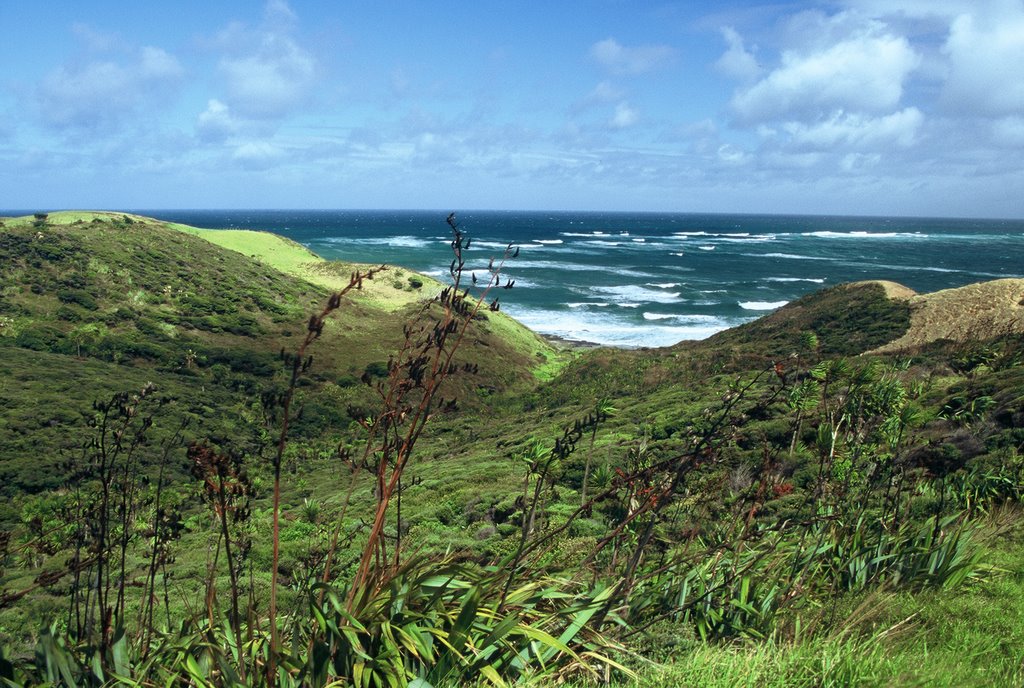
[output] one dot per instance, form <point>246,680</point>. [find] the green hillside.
<point>92,302</point>
<point>780,504</point>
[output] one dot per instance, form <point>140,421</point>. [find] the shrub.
<point>78,296</point>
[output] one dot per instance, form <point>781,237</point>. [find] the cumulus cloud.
<point>625,116</point>
<point>257,155</point>
<point>857,130</point>
<point>986,56</point>
<point>619,59</point>
<point>216,122</point>
<point>731,155</point>
<point>864,72</point>
<point>737,62</point>
<point>98,92</point>
<point>271,81</point>
<point>266,72</point>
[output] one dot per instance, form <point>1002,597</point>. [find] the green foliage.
<point>704,494</point>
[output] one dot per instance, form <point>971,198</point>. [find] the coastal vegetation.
<point>228,462</point>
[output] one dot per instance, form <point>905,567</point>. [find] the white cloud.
<point>863,72</point>
<point>625,116</point>
<point>271,81</point>
<point>737,62</point>
<point>97,93</point>
<point>857,131</point>
<point>986,55</point>
<point>216,123</point>
<point>278,11</point>
<point>732,155</point>
<point>604,92</point>
<point>267,73</point>
<point>257,155</point>
<point>619,59</point>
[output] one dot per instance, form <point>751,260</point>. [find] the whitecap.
<point>607,329</point>
<point>631,294</point>
<point>400,241</point>
<point>860,234</point>
<point>677,254</point>
<point>790,256</point>
<point>549,241</point>
<point>665,285</point>
<point>762,305</point>
<point>551,265</point>
<point>816,280</point>
<point>683,317</point>
<point>706,248</point>
<point>746,238</point>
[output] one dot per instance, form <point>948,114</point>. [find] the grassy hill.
<point>730,506</point>
<point>90,302</point>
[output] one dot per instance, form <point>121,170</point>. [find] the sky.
<point>856,107</point>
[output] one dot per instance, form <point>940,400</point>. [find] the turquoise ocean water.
<point>652,279</point>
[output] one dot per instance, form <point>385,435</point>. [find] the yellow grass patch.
<point>972,312</point>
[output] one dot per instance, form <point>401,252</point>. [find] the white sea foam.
<point>584,304</point>
<point>608,329</point>
<point>484,244</point>
<point>789,256</point>
<point>552,265</point>
<point>685,317</point>
<point>706,248</point>
<point>746,238</point>
<point>598,242</point>
<point>631,293</point>
<point>860,234</point>
<point>816,280</point>
<point>401,241</point>
<point>762,305</point>
<point>677,254</point>
<point>549,241</point>
<point>665,285</point>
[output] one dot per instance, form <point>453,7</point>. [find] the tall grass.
<point>685,545</point>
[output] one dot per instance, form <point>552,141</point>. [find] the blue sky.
<point>882,107</point>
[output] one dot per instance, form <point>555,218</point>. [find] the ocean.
<point>653,279</point>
